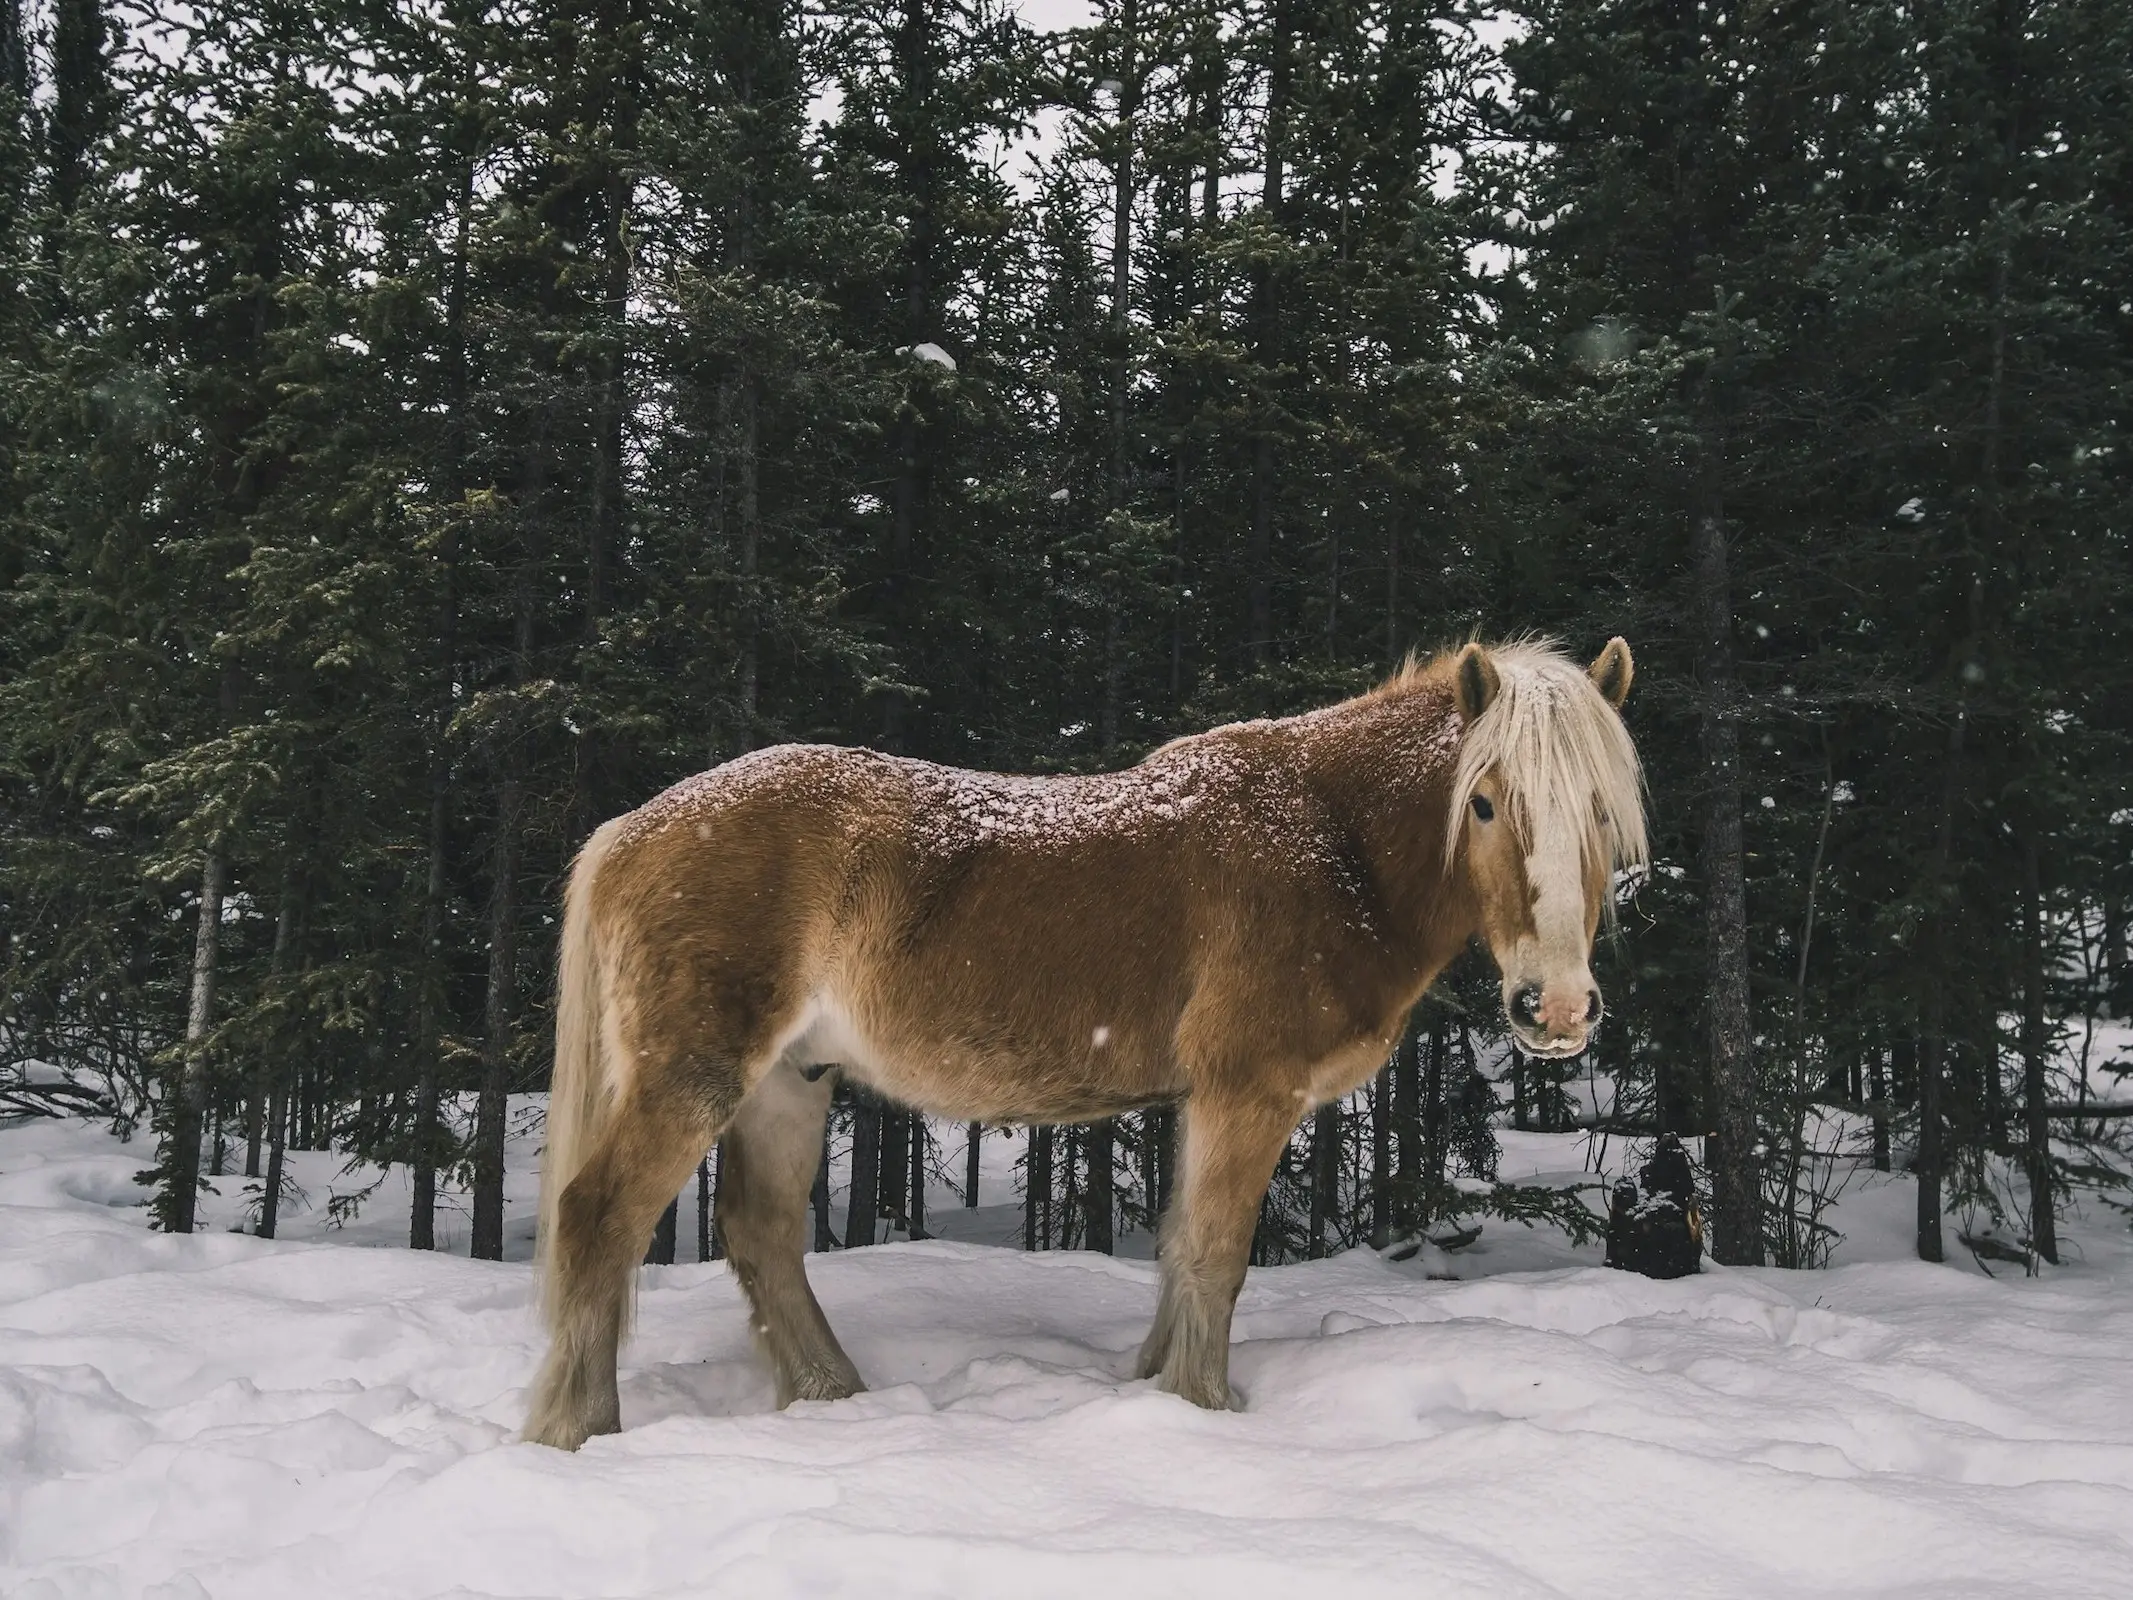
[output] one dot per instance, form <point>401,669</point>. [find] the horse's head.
<point>1548,802</point>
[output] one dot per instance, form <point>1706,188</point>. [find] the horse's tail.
<point>579,1094</point>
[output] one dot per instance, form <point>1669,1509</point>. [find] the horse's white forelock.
<point>1562,754</point>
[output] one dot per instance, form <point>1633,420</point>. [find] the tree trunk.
<point>1433,1122</point>
<point>918,1176</point>
<point>274,1080</point>
<point>970,1166</point>
<point>1158,1135</point>
<point>1102,1146</point>
<point>819,1198</point>
<point>1407,1109</point>
<point>2043,1222</point>
<point>660,1251</point>
<point>1736,1184</point>
<point>500,1002</point>
<point>1066,1161</point>
<point>422,1173</point>
<point>915,163</point>
<point>1117,475</point>
<point>603,527</point>
<point>179,1203</point>
<point>1930,1164</point>
<point>1325,1174</point>
<point>492,1105</point>
<point>863,1204</point>
<point>895,1170</point>
<point>704,1241</point>
<point>751,556</point>
<point>2118,999</point>
<point>1266,318</point>
<point>1037,1190</point>
<point>1381,1158</point>
<point>277,1145</point>
<point>1879,1091</point>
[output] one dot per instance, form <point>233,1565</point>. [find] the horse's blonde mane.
<point>1562,753</point>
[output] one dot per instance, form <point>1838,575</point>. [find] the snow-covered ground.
<point>220,1416</point>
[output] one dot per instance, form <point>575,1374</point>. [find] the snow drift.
<point>219,1416</point>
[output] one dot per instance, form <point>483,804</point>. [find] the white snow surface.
<point>218,1417</point>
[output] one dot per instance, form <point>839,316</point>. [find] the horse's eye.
<point>1483,809</point>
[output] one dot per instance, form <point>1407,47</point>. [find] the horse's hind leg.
<point>639,1161</point>
<point>769,1157</point>
<point>1230,1147</point>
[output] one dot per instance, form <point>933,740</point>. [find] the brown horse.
<point>1239,923</point>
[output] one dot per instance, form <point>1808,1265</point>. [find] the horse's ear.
<point>1613,672</point>
<point>1475,681</point>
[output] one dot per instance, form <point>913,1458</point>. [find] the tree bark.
<point>179,1204</point>
<point>751,555</point>
<point>1325,1174</point>
<point>422,1173</point>
<point>492,1104</point>
<point>895,1170</point>
<point>2043,1221</point>
<point>603,527</point>
<point>1433,1122</point>
<point>2118,998</point>
<point>918,1176</point>
<point>183,1168</point>
<point>500,1000</point>
<point>1930,1163</point>
<point>1121,353</point>
<point>422,1217</point>
<point>863,1205</point>
<point>1102,1146</point>
<point>277,1146</point>
<point>1037,1190</point>
<point>1407,1109</point>
<point>665,1235</point>
<point>819,1198</point>
<point>1266,314</point>
<point>913,45</point>
<point>970,1166</point>
<point>1878,1091</point>
<point>1158,1137</point>
<point>1381,1158</point>
<point>1736,1183</point>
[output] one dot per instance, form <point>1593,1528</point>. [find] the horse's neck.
<point>1383,773</point>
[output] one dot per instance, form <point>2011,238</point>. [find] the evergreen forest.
<point>429,428</point>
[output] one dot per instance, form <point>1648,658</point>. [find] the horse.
<point>1239,925</point>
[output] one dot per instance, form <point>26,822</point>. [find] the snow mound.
<point>219,1416</point>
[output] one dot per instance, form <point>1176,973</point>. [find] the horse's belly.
<point>941,1070</point>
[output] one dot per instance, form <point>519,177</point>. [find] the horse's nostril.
<point>1526,1004</point>
<point>1592,1006</point>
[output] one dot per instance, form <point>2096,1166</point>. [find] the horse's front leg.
<point>1231,1142</point>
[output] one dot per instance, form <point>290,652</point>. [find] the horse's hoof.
<point>1207,1394</point>
<point>556,1434</point>
<point>820,1383</point>
<point>565,1427</point>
